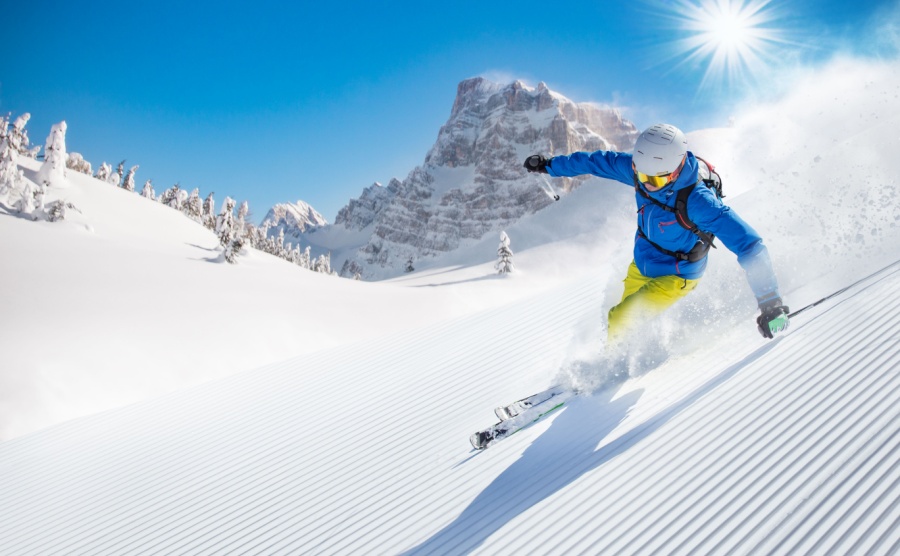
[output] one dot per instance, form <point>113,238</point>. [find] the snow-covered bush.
<point>56,211</point>
<point>504,254</point>
<point>77,163</point>
<point>25,203</point>
<point>53,170</point>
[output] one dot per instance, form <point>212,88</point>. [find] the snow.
<point>260,408</point>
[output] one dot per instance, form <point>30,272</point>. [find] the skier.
<point>669,256</point>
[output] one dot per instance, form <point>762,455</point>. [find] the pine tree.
<point>39,193</point>
<point>225,222</point>
<point>53,170</point>
<point>306,258</point>
<point>103,172</point>
<point>233,248</point>
<point>10,175</point>
<point>18,136</point>
<point>323,264</point>
<point>193,207</point>
<point>147,191</point>
<point>279,243</point>
<point>242,215</point>
<point>171,197</point>
<point>128,184</point>
<point>209,212</point>
<point>504,253</point>
<point>120,172</point>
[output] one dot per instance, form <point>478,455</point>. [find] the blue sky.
<point>272,102</point>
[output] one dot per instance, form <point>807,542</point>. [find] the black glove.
<point>537,163</point>
<point>774,318</point>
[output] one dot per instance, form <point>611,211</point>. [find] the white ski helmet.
<point>659,150</point>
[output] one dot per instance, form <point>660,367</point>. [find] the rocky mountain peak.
<point>472,181</point>
<point>295,218</point>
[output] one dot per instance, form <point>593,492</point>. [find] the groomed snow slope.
<point>720,442</point>
<point>752,446</point>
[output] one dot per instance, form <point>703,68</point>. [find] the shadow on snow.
<point>570,448</point>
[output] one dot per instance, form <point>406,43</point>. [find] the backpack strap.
<point>682,216</point>
<point>701,248</point>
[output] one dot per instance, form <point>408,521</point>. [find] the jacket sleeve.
<point>605,164</point>
<point>710,214</point>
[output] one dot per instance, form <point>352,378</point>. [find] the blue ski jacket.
<point>704,208</point>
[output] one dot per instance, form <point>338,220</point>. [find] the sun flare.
<point>732,39</point>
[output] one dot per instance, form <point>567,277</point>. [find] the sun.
<point>732,40</point>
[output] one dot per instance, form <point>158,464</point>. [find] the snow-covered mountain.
<point>293,218</point>
<point>471,182</point>
<point>347,431</point>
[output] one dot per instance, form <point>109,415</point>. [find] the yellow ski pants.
<point>643,299</point>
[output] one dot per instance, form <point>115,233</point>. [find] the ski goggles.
<point>661,180</point>
<point>654,181</point>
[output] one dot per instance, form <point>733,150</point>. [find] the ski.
<point>506,428</point>
<point>509,411</point>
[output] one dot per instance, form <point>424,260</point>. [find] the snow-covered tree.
<point>306,258</point>
<point>171,197</point>
<point>147,190</point>
<point>279,243</point>
<point>103,172</point>
<point>128,184</point>
<point>25,203</point>
<point>182,197</point>
<point>323,264</point>
<point>225,222</point>
<point>39,193</point>
<point>234,248</point>
<point>11,176</point>
<point>242,215</point>
<point>504,254</point>
<point>18,136</point>
<point>193,208</point>
<point>120,172</point>
<point>53,170</point>
<point>209,212</point>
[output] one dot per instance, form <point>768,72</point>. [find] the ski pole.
<point>548,189</point>
<point>842,290</point>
